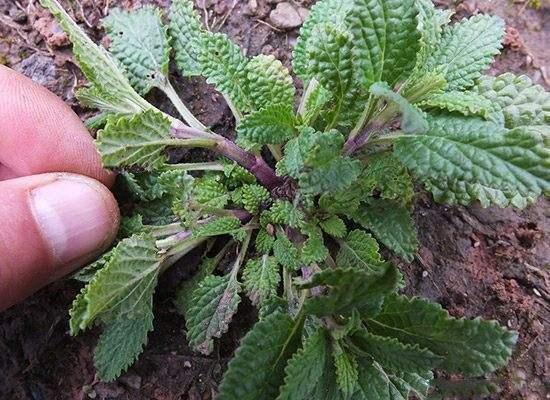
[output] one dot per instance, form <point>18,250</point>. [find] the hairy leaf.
<point>472,347</point>
<point>305,368</point>
<point>274,124</point>
<point>110,90</point>
<point>350,289</point>
<point>347,374</point>
<point>215,301</point>
<point>285,252</point>
<point>188,36</point>
<point>136,140</point>
<point>386,39</point>
<point>334,226</point>
<point>391,223</point>
<point>121,289</point>
<point>478,159</point>
<point>261,279</point>
<point>257,370</point>
<point>324,11</point>
<point>359,250</point>
<point>314,249</point>
<point>184,295</point>
<point>466,103</point>
<point>430,21</point>
<point>521,101</point>
<point>140,43</point>
<point>466,50</point>
<point>209,191</point>
<point>270,82</point>
<point>217,227</point>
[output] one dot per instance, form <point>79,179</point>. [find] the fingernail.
<point>73,216</point>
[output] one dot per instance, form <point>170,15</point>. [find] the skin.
<point>45,151</point>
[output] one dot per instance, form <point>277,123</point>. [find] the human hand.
<point>55,212</point>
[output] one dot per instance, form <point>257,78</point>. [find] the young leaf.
<point>140,43</point>
<point>351,289</point>
<point>285,252</point>
<point>257,370</point>
<point>219,226</point>
<point>135,140</point>
<point>347,374</point>
<point>215,301</point>
<point>305,368</point>
<point>324,11</point>
<point>110,90</point>
<point>274,124</point>
<point>270,82</point>
<point>391,223</point>
<point>264,241</point>
<point>334,226</point>
<point>479,159</point>
<point>430,21</point>
<point>261,279</point>
<point>465,103</point>
<point>466,50</point>
<point>186,29</point>
<point>472,347</point>
<point>393,355</point>
<point>123,288</point>
<point>334,176</point>
<point>184,295</point>
<point>210,191</point>
<point>386,39</point>
<point>521,101</point>
<point>225,66</point>
<point>253,197</point>
<point>359,250</point>
<point>120,343</point>
<point>387,176</point>
<point>314,249</point>
<point>413,120</point>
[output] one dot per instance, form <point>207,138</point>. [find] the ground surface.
<point>492,263</point>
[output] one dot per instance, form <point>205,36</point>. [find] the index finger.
<point>39,133</point>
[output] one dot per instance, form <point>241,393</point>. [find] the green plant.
<point>393,91</point>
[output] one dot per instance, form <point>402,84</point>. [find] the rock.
<point>285,16</point>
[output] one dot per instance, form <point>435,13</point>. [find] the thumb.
<point>50,224</point>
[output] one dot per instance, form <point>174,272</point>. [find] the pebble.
<point>286,16</point>
<point>187,364</point>
<point>424,274</point>
<point>537,293</point>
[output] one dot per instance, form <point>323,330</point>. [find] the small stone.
<point>537,293</point>
<point>186,364</point>
<point>285,16</point>
<point>132,381</point>
<point>424,274</point>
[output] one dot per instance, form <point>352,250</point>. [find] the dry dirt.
<point>476,262</point>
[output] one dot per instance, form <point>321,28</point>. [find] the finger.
<point>51,224</point>
<point>39,133</point>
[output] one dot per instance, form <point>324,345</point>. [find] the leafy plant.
<point>394,92</point>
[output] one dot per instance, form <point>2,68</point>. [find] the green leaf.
<point>359,250</point>
<point>110,90</point>
<point>334,226</point>
<point>314,249</point>
<point>120,344</point>
<point>184,295</point>
<point>274,124</point>
<point>270,82</point>
<point>123,288</point>
<point>521,101</point>
<point>87,273</point>
<point>215,301</point>
<point>347,374</point>
<point>467,158</point>
<point>225,66</point>
<point>337,175</point>
<point>135,140</point>
<point>350,289</point>
<point>472,347</point>
<point>387,177</point>
<point>465,103</point>
<point>386,39</point>
<point>430,21</point>
<point>187,34</point>
<point>393,355</point>
<point>209,191</point>
<point>253,197</point>
<point>261,279</point>
<point>377,383</point>
<point>305,368</point>
<point>316,104</point>
<point>283,212</point>
<point>217,227</point>
<point>139,42</point>
<point>285,252</point>
<point>331,63</point>
<point>466,50</point>
<point>324,11</point>
<point>413,120</point>
<point>257,370</point>
<point>391,223</point>
<point>264,241</point>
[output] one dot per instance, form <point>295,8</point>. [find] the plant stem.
<point>236,113</point>
<point>241,256</point>
<point>312,85</point>
<point>205,166</point>
<point>178,251</point>
<point>166,230</point>
<point>187,115</point>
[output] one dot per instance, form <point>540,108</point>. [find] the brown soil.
<point>476,262</point>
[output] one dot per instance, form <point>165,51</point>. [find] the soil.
<point>491,262</point>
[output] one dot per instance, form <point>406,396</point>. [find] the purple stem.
<point>255,164</point>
